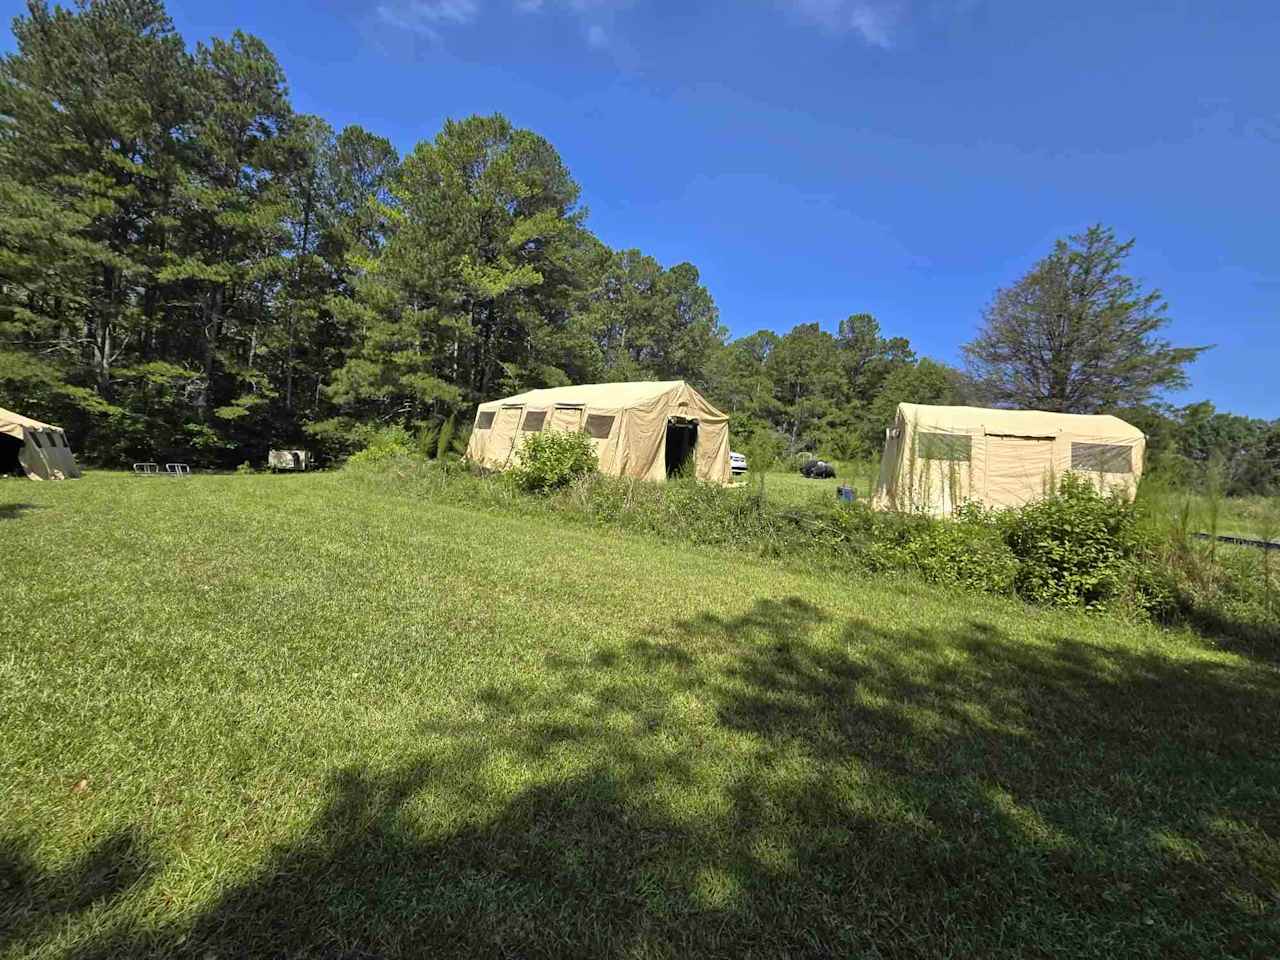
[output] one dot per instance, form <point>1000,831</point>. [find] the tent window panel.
<point>1101,458</point>
<point>599,426</point>
<point>35,438</point>
<point>955,447</point>
<point>533,421</point>
<point>485,420</point>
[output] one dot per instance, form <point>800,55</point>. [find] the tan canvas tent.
<point>936,458</point>
<point>37,449</point>
<point>648,430</point>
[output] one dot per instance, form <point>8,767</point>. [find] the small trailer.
<point>278,460</point>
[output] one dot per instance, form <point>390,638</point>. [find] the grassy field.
<point>290,716</point>
<point>788,486</point>
<point>1255,517</point>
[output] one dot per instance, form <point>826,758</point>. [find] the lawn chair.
<point>177,470</point>
<point>147,469</point>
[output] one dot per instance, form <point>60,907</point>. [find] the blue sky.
<point>816,158</point>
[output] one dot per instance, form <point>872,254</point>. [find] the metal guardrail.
<point>1239,541</point>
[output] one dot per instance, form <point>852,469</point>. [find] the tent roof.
<point>607,395</point>
<point>1017,422</point>
<point>12,423</point>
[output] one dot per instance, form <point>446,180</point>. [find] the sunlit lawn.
<point>286,716</point>
<point>790,487</point>
<point>1253,517</point>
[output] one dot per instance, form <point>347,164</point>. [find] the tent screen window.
<point>533,420</point>
<point>944,446</point>
<point>1101,458</point>
<point>35,438</point>
<point>599,426</point>
<point>485,420</point>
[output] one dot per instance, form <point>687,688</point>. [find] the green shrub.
<point>444,441</point>
<point>1078,547</point>
<point>428,440</point>
<point>245,468</point>
<point>386,443</point>
<point>967,551</point>
<point>553,460</point>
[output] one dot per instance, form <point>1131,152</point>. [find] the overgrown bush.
<point>967,551</point>
<point>1078,547</point>
<point>552,460</point>
<point>441,439</point>
<point>444,442</point>
<point>1226,589</point>
<point>386,443</point>
<point>428,440</point>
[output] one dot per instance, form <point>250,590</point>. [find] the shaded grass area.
<point>293,716</point>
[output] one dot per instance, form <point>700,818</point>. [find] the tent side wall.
<point>630,438</point>
<point>934,468</point>
<point>887,495</point>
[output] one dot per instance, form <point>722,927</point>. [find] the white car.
<point>737,463</point>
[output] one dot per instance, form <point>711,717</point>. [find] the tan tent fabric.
<point>627,422</point>
<point>937,458</point>
<point>45,453</point>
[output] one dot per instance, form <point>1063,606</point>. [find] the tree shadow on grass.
<point>33,900</point>
<point>11,511</point>
<point>779,784</point>
<point>1257,639</point>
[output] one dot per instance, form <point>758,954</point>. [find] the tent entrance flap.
<point>567,417</point>
<point>682,440</point>
<point>10,448</point>
<point>1019,469</point>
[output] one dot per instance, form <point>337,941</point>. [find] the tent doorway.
<point>682,440</point>
<point>1019,468</point>
<point>10,447</point>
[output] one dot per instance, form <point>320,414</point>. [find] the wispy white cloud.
<point>597,37</point>
<point>430,18</point>
<point>427,16</point>
<point>876,21</point>
<point>597,16</point>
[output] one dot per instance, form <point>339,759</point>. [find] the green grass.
<point>301,715</point>
<point>789,487</point>
<point>1256,517</point>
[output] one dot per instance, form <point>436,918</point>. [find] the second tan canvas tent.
<point>39,450</point>
<point>936,458</point>
<point>649,430</point>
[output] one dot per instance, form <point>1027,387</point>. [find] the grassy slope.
<point>282,715</point>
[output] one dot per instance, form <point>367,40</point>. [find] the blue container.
<point>845,494</point>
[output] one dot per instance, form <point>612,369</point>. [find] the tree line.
<point>191,269</point>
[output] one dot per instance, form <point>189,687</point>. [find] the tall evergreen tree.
<point>1077,335</point>
<point>475,282</point>
<point>95,102</point>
